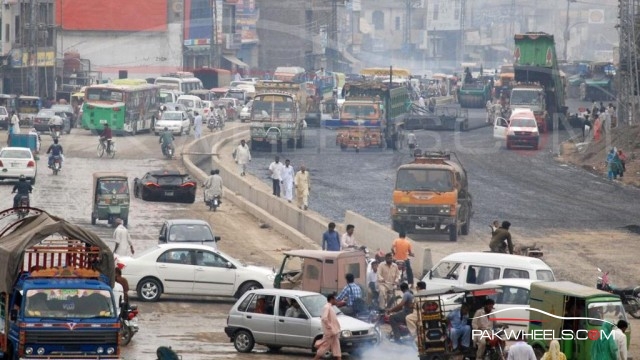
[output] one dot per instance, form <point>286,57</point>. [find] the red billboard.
<point>112,15</point>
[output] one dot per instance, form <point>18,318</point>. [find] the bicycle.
<point>102,148</point>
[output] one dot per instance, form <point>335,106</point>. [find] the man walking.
<point>302,182</point>
<point>621,339</point>
<point>197,125</point>
<point>242,156</point>
<point>330,239</point>
<point>521,350</point>
<point>401,248</point>
<point>122,239</point>
<point>330,331</point>
<point>276,175</point>
<point>287,180</point>
<point>15,123</point>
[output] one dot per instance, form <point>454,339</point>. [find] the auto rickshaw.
<point>110,197</point>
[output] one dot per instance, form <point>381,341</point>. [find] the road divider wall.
<point>250,194</point>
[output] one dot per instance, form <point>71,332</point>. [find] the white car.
<point>514,294</point>
<point>245,113</point>
<point>16,161</point>
<point>191,269</point>
<point>176,121</point>
<point>520,130</point>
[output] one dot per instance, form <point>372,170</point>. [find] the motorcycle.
<point>405,337</point>
<point>495,349</point>
<point>168,151</point>
<point>55,131</point>
<point>129,324</point>
<point>23,206</point>
<point>213,203</point>
<point>629,296</point>
<point>57,165</point>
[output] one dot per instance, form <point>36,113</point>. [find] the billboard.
<point>112,15</point>
<point>443,15</point>
<point>247,20</point>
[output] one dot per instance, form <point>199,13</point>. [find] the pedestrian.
<point>372,283</point>
<point>621,339</point>
<point>15,123</point>
<point>302,182</point>
<point>197,125</point>
<point>499,237</point>
<point>411,141</point>
<point>348,240</point>
<point>521,350</point>
<point>287,180</point>
<point>330,331</point>
<point>401,248</point>
<point>330,238</point>
<point>597,128</point>
<point>623,161</point>
<point>604,348</point>
<point>586,127</point>
<point>388,274</point>
<point>554,352</point>
<point>614,166</point>
<point>412,319</point>
<point>242,156</point>
<point>276,175</point>
<point>122,239</point>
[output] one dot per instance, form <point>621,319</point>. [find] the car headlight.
<point>402,210</point>
<point>346,333</point>
<point>100,350</point>
<point>40,351</point>
<point>28,350</point>
<point>110,350</point>
<point>271,277</point>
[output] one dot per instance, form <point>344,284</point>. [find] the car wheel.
<point>191,199</point>
<point>181,132</point>
<point>243,341</point>
<point>142,195</point>
<point>251,285</point>
<point>135,192</point>
<point>93,219</point>
<point>149,289</point>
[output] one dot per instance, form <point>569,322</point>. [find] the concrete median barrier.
<point>252,195</point>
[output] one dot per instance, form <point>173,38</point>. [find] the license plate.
<point>15,165</point>
<point>103,121</point>
<point>168,193</point>
<point>423,218</point>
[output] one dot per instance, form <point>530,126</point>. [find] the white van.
<point>464,268</point>
<point>192,103</point>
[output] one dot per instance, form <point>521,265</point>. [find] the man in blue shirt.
<point>400,311</point>
<point>459,327</point>
<point>331,239</point>
<point>348,295</point>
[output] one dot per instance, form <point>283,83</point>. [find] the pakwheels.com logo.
<point>541,334</point>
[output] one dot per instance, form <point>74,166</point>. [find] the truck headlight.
<point>346,333</point>
<point>402,210</point>
<point>40,351</point>
<point>28,350</point>
<point>100,350</point>
<point>445,209</point>
<point>110,350</point>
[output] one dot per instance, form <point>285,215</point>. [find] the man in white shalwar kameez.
<point>287,180</point>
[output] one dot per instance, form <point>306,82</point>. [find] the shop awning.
<point>350,58</point>
<point>234,60</point>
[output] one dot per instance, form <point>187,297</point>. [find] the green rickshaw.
<point>110,197</point>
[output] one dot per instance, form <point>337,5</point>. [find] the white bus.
<point>181,81</point>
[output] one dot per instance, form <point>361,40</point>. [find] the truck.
<point>372,114</point>
<point>432,194</point>
<point>277,115</point>
<point>599,85</point>
<point>474,93</point>
<point>505,80</point>
<point>320,99</point>
<point>56,292</point>
<point>539,86</point>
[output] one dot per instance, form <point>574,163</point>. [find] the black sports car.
<point>165,185</point>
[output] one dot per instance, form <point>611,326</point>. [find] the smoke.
<point>389,350</point>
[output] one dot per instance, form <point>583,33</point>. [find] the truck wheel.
<point>464,230</point>
<point>93,219</point>
<point>453,232</point>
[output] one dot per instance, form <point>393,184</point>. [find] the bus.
<point>129,82</point>
<point>182,81</point>
<point>127,109</point>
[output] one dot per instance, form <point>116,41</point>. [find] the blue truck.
<point>56,292</point>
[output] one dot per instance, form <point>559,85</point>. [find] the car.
<point>245,113</point>
<point>68,110</point>
<point>233,107</point>
<point>179,107</point>
<point>242,93</point>
<point>271,328</point>
<point>513,295</point>
<point>165,185</point>
<point>191,269</point>
<point>4,118</point>
<point>251,80</point>
<point>187,231</point>
<point>41,120</point>
<point>520,130</point>
<point>176,121</point>
<point>16,161</point>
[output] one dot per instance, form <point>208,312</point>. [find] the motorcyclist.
<point>22,188</point>
<point>400,311</point>
<point>166,140</point>
<point>499,237</point>
<point>55,121</point>
<point>213,186</point>
<point>55,150</point>
<point>106,135</point>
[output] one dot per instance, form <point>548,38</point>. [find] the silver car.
<point>260,317</point>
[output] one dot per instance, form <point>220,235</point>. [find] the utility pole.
<point>33,48</point>
<point>628,69</point>
<point>214,58</point>
<point>333,37</point>
<point>461,47</point>
<point>567,31</point>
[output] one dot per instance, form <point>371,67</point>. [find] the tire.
<point>243,341</point>
<point>93,219</point>
<point>327,355</point>
<point>634,308</point>
<point>33,181</point>
<point>125,335</point>
<point>253,146</point>
<point>464,230</point>
<point>189,130</point>
<point>453,232</point>
<point>192,200</point>
<point>135,192</point>
<point>125,221</point>
<point>246,287</point>
<point>113,152</point>
<point>149,290</point>
<point>181,132</point>
<point>536,146</point>
<point>509,146</point>
<point>142,195</point>
<point>55,171</point>
<point>397,226</point>
<point>100,150</point>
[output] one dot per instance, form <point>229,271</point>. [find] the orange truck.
<point>432,194</point>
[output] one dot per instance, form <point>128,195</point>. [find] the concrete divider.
<point>441,100</point>
<point>250,194</point>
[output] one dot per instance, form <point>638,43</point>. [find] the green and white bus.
<point>128,108</point>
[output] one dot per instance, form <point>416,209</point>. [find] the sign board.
<point>24,59</point>
<point>596,16</point>
<point>443,15</point>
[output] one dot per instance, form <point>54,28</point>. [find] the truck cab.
<point>530,97</point>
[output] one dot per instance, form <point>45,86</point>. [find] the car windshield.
<point>314,304</point>
<point>445,270</point>
<point>545,275</point>
<point>68,303</point>
<point>611,311</point>
<point>526,123</point>
<point>525,97</point>
<point>236,95</point>
<point>104,95</point>
<point>3,111</point>
<point>113,187</point>
<point>190,232</point>
<point>424,180</point>
<point>15,154</point>
<point>187,103</point>
<point>46,113</point>
<point>171,116</point>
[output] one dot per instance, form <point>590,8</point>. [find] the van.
<point>460,269</point>
<point>192,103</point>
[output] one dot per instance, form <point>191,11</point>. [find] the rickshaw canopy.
<point>98,176</point>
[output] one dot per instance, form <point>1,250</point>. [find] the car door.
<point>185,121</point>
<point>515,300</point>
<point>291,331</point>
<point>176,270</point>
<point>500,128</point>
<point>261,323</point>
<point>214,275</point>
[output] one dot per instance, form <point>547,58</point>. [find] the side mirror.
<point>229,265</point>
<point>136,180</point>
<point>13,314</point>
<point>162,238</point>
<point>430,275</point>
<point>216,238</point>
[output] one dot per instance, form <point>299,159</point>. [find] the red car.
<point>165,185</point>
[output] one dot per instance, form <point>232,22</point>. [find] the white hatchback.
<point>16,161</point>
<point>175,121</point>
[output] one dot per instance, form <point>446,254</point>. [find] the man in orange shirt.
<point>401,249</point>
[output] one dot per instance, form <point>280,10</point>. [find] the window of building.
<point>228,19</point>
<point>397,22</point>
<point>7,32</point>
<point>377,18</point>
<point>436,10</point>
